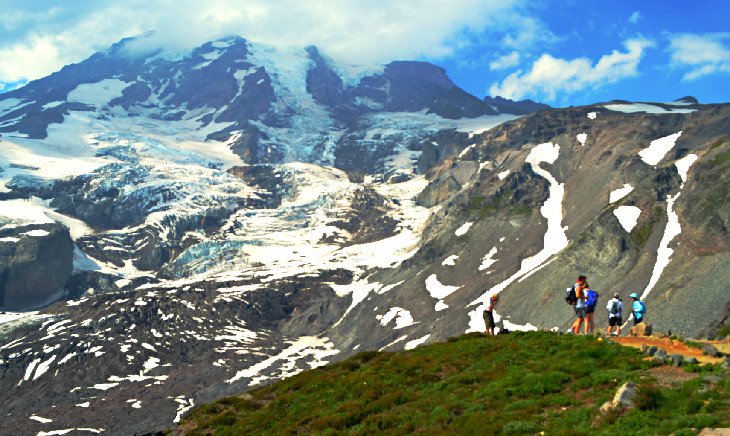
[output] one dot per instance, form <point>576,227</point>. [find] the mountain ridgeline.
<point>195,224</point>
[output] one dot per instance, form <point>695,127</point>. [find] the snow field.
<point>645,107</point>
<point>555,239</point>
<point>673,228</point>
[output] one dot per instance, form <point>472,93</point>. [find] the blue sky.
<point>562,52</point>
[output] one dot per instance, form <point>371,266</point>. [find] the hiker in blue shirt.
<point>638,308</point>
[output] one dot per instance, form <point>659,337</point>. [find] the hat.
<point>615,295</point>
<point>633,295</point>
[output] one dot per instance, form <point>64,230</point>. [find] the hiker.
<point>591,303</point>
<point>489,315</point>
<point>638,308</point>
<point>615,308</point>
<point>576,297</point>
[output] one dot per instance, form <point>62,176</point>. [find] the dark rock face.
<point>415,86</point>
<point>507,106</point>
<point>324,84</point>
<point>35,263</point>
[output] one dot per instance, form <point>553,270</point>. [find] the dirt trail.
<point>674,346</point>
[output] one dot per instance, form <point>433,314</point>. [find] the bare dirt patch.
<point>669,345</point>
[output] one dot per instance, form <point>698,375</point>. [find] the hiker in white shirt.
<point>615,308</point>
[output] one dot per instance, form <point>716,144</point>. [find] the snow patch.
<point>37,233</point>
<point>503,174</point>
<point>684,164</point>
<point>627,216</point>
<point>40,419</point>
<point>438,290</point>
<point>591,115</point>
<point>645,107</point>
<point>450,260</point>
<point>658,148</point>
<point>488,259</point>
<point>403,318</point>
<point>618,194</point>
<point>416,342</point>
<point>463,229</point>
<point>581,137</point>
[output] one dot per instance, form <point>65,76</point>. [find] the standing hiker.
<point>615,308</point>
<point>591,303</point>
<point>638,308</point>
<point>577,295</point>
<point>489,315</point>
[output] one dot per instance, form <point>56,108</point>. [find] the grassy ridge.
<point>512,384</point>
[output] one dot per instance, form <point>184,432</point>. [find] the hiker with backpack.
<point>591,303</point>
<point>638,308</point>
<point>576,297</point>
<point>489,315</point>
<point>615,308</point>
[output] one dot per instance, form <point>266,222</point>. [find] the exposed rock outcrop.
<point>35,262</point>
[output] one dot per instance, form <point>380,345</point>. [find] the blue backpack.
<point>591,298</point>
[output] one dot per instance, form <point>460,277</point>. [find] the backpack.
<point>591,298</point>
<point>614,308</point>
<point>641,313</point>
<point>571,298</point>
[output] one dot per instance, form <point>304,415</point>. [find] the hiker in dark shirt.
<point>489,315</point>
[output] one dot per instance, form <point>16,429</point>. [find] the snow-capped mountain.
<point>217,219</point>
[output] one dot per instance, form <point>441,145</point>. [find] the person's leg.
<point>591,322</point>
<point>619,321</point>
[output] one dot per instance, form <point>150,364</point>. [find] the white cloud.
<point>526,33</point>
<point>549,75</point>
<point>505,61</point>
<point>635,17</point>
<point>703,54</point>
<point>350,31</point>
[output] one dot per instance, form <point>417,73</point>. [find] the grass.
<point>522,383</point>
<point>640,235</point>
<point>498,203</point>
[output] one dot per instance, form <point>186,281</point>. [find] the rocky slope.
<point>236,214</point>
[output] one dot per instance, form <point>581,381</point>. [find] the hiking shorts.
<point>614,321</point>
<point>580,313</point>
<point>590,309</point>
<point>638,320</point>
<point>489,319</point>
